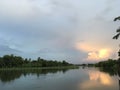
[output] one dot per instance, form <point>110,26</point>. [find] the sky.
<point>78,31</point>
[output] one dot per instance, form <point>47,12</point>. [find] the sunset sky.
<point>78,31</point>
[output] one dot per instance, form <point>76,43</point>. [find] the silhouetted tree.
<point>118,30</point>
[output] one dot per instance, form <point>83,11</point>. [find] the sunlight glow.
<point>95,52</point>
<point>103,53</point>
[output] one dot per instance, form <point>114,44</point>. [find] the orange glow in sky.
<point>95,52</point>
<point>103,53</point>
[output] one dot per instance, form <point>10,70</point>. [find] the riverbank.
<point>29,68</point>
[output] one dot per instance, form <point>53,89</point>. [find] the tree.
<point>2,64</point>
<point>64,63</point>
<point>118,30</point>
<point>9,61</point>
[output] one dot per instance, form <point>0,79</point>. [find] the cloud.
<point>24,9</point>
<point>94,51</point>
<point>7,50</point>
<point>54,29</point>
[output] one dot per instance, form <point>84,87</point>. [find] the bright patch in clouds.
<point>95,52</point>
<point>99,55</point>
<point>103,53</point>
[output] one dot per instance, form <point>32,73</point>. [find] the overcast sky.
<point>74,30</point>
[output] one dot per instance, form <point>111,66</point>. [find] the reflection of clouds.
<point>93,76</point>
<point>87,85</point>
<point>105,79</point>
<point>100,77</point>
<point>96,80</point>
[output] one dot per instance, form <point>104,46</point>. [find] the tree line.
<point>9,61</point>
<point>109,63</point>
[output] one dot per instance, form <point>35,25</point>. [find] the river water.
<point>62,79</point>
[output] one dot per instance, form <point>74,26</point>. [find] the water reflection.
<point>113,72</point>
<point>59,79</point>
<point>100,77</point>
<point>10,75</point>
<point>98,80</point>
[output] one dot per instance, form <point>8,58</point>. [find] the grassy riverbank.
<point>32,68</point>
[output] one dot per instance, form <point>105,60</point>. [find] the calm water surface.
<point>74,79</point>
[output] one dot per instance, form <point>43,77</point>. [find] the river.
<point>62,79</point>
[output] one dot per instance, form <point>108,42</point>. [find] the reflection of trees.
<point>110,71</point>
<point>9,75</point>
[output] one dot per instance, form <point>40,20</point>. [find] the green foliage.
<point>108,63</point>
<point>8,61</point>
<point>118,30</point>
<point>11,60</point>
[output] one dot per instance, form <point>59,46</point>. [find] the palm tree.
<point>118,30</point>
